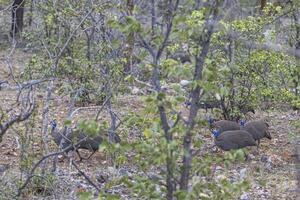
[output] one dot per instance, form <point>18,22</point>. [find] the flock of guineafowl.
<point>227,135</point>
<point>232,135</point>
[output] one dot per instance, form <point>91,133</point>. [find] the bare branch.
<point>169,28</point>
<point>146,45</point>
<point>22,116</point>
<point>195,97</point>
<point>85,176</point>
<point>31,173</point>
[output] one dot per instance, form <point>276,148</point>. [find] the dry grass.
<point>272,179</point>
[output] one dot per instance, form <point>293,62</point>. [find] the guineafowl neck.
<point>56,135</point>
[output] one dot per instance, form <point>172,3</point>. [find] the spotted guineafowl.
<point>223,125</point>
<point>258,129</point>
<point>75,140</point>
<point>235,139</point>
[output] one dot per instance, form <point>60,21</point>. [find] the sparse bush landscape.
<point>159,99</point>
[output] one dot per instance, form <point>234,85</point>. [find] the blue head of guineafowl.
<point>210,120</point>
<point>60,138</point>
<point>242,122</point>
<point>55,133</point>
<point>53,124</point>
<point>216,133</point>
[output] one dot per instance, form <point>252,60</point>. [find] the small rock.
<point>276,160</point>
<point>269,166</point>
<point>245,196</point>
<point>184,83</point>
<point>273,161</point>
<point>234,176</point>
<point>60,158</point>
<point>243,173</point>
<point>111,170</point>
<point>196,179</point>
<point>123,172</point>
<point>250,157</point>
<point>221,177</point>
<point>3,168</point>
<point>135,90</point>
<point>154,177</point>
<point>219,168</point>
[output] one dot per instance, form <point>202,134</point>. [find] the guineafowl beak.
<point>267,124</point>
<point>268,135</point>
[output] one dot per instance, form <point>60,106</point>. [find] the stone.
<point>184,83</point>
<point>245,196</point>
<point>243,174</point>
<point>3,168</point>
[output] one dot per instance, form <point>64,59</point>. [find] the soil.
<point>271,171</point>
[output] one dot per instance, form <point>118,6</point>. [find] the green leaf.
<point>161,96</point>
<point>67,122</point>
<point>129,78</point>
<point>147,133</point>
<point>84,195</point>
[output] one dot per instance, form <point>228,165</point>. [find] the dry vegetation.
<point>271,171</point>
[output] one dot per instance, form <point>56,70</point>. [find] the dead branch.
<point>31,174</point>
<point>22,116</point>
<point>85,176</point>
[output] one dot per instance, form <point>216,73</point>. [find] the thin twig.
<point>85,176</point>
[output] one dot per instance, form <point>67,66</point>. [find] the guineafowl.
<point>58,136</point>
<point>181,56</point>
<point>258,129</point>
<point>223,125</point>
<point>75,140</point>
<point>205,105</point>
<point>208,105</point>
<point>235,139</point>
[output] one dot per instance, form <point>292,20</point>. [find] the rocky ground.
<point>271,171</point>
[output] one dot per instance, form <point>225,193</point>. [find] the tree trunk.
<point>31,13</point>
<point>297,166</point>
<point>263,3</point>
<point>129,46</point>
<point>297,47</point>
<point>195,96</point>
<point>17,17</point>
